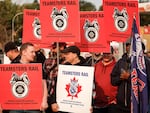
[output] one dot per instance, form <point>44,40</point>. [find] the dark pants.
<point>49,110</point>
<point>24,111</point>
<point>107,109</point>
<point>120,109</point>
<point>5,111</point>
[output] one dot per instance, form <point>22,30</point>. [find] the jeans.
<point>24,111</point>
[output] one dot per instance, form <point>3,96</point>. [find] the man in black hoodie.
<point>121,77</point>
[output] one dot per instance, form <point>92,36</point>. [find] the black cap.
<point>10,46</point>
<point>73,49</point>
<point>127,44</point>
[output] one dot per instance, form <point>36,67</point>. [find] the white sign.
<point>74,88</point>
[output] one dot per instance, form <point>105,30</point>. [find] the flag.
<point>139,93</point>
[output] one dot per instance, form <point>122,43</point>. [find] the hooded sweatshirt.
<point>105,92</point>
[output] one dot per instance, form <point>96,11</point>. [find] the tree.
<point>34,5</point>
<point>7,11</point>
<point>86,6</point>
<point>101,8</point>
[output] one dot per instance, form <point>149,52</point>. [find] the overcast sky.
<point>97,3</point>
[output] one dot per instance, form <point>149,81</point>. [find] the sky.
<point>97,3</point>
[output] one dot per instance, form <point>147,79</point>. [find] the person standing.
<point>27,55</point>
<point>12,52</point>
<point>50,67</point>
<point>72,57</point>
<point>105,98</point>
<point>121,77</point>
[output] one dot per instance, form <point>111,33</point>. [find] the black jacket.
<point>124,86</point>
<point>16,60</point>
<point>81,63</point>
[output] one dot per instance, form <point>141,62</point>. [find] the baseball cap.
<point>127,44</point>
<point>10,46</point>
<point>73,49</point>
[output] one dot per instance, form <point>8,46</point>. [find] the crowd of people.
<point>112,78</point>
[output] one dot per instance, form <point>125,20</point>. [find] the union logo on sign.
<point>73,88</point>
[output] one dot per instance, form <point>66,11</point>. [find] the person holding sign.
<point>50,67</point>
<point>72,57</point>
<point>27,53</point>
<point>105,97</point>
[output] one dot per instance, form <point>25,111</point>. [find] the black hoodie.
<point>124,86</point>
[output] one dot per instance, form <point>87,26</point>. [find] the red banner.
<point>92,32</point>
<point>119,18</point>
<point>32,28</point>
<point>20,86</point>
<point>60,20</point>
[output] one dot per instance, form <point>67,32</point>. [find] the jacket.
<point>105,92</point>
<point>124,86</point>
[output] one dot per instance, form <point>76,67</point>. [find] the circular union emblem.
<point>91,34</point>
<point>37,31</point>
<point>20,89</point>
<point>121,24</point>
<point>59,23</point>
<point>73,90</point>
